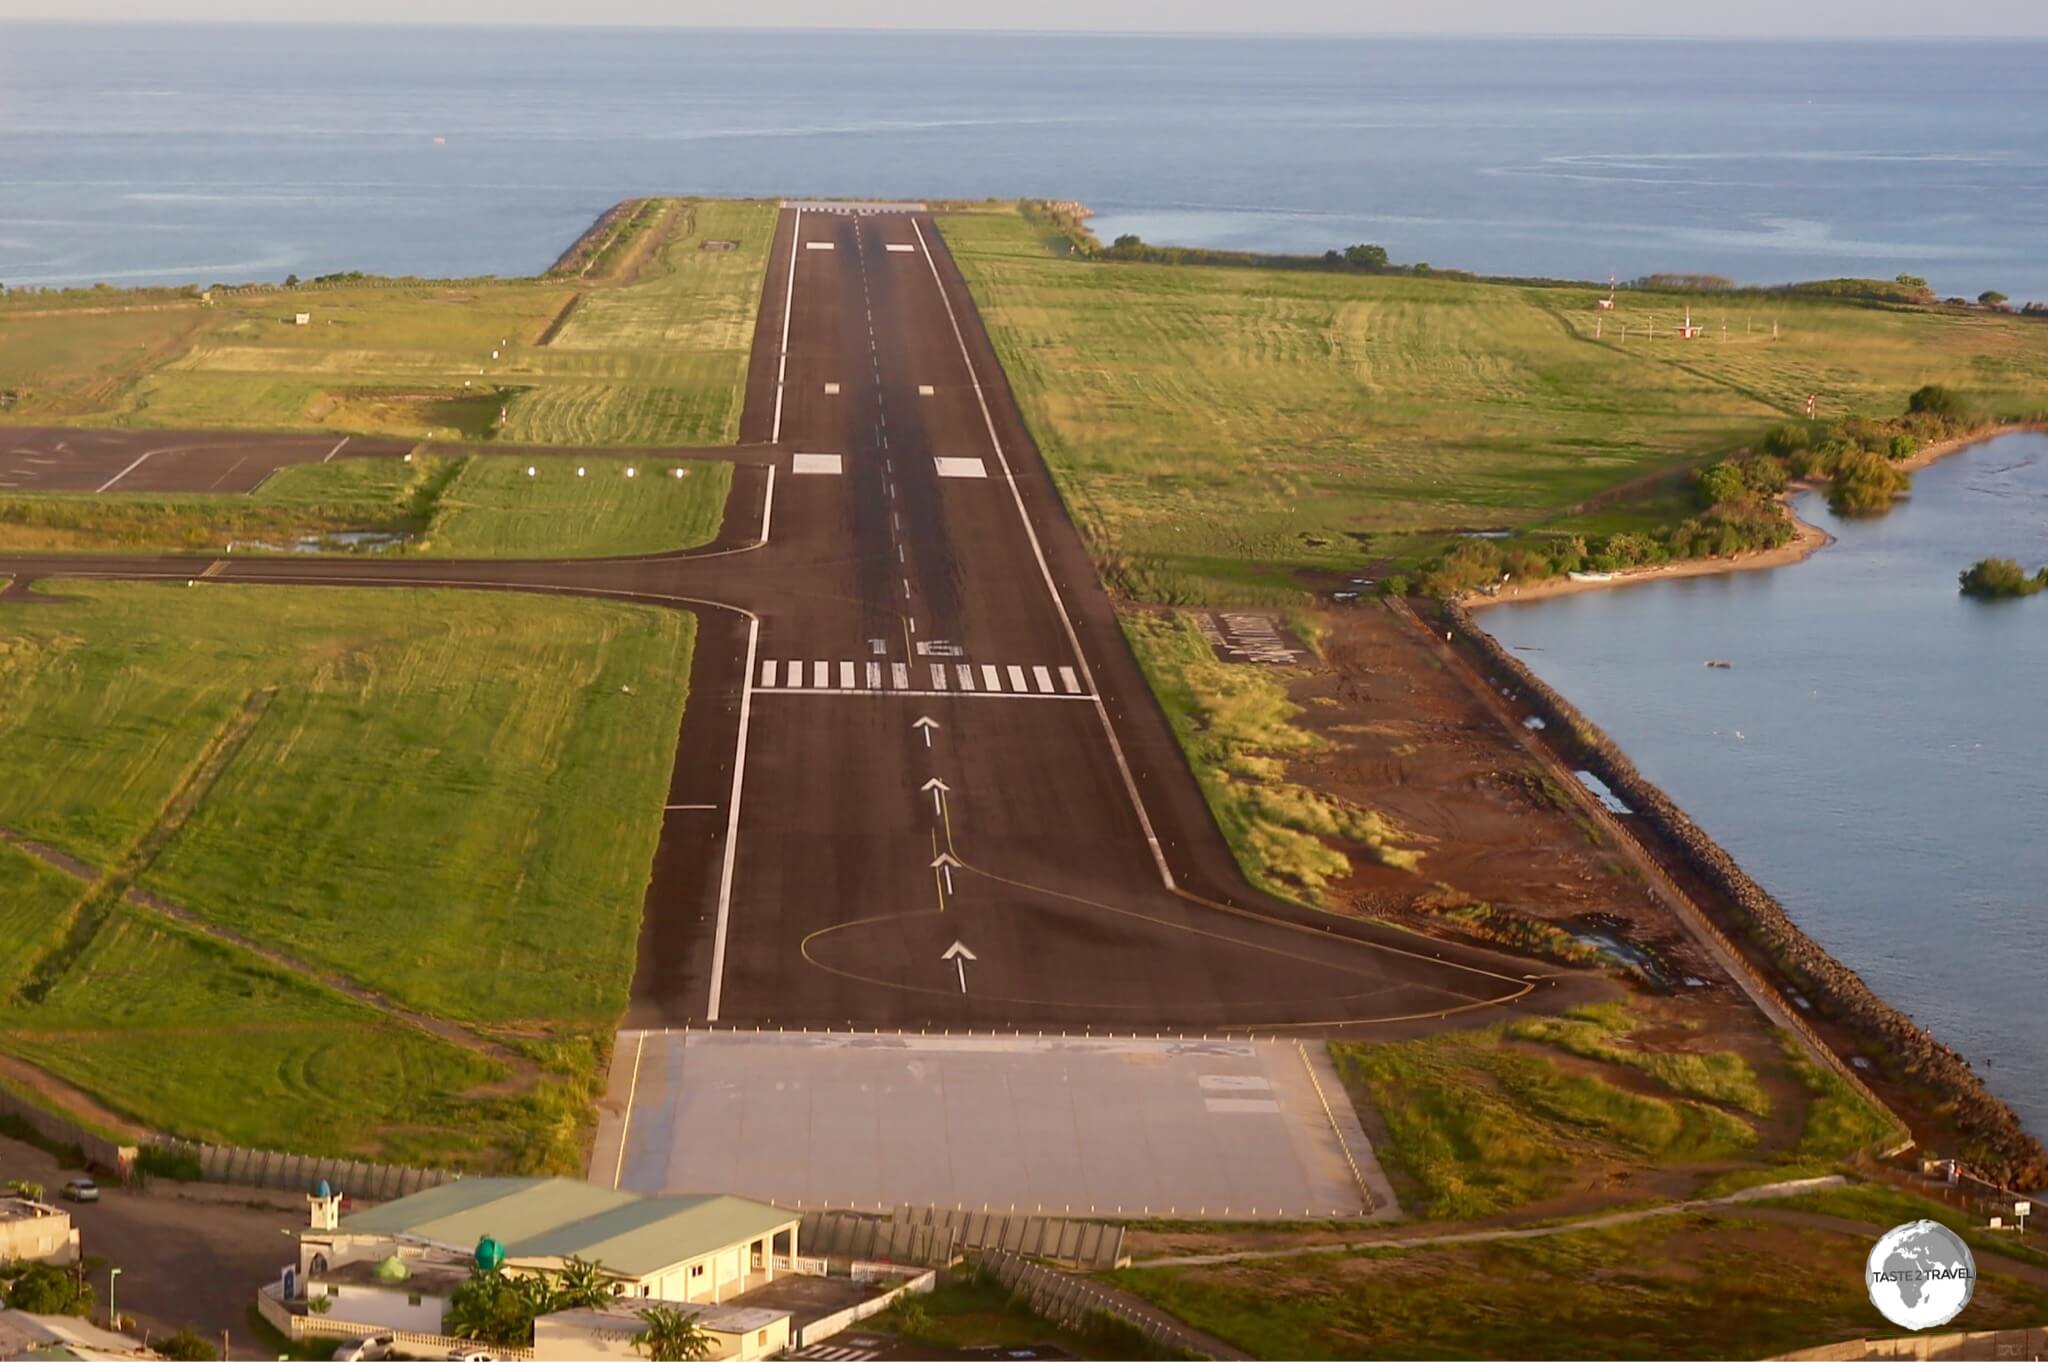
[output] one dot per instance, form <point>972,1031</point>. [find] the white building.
<point>34,1231</point>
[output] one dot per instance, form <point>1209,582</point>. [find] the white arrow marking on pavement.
<point>939,789</point>
<point>959,955</point>
<point>927,723</point>
<point>946,862</point>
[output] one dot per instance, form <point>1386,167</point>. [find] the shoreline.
<point>1807,539</point>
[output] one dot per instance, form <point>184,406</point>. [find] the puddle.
<point>1608,799</point>
<point>342,541</point>
<point>1606,935</point>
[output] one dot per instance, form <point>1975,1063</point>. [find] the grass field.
<point>450,797</point>
<point>1479,1122</point>
<point>471,507</point>
<point>1233,722</point>
<point>659,359</point>
<point>1218,431</point>
<point>1708,1286</point>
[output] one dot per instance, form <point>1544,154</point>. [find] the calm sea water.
<point>1878,755</point>
<point>140,153</point>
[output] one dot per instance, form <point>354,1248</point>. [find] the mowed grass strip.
<point>453,797</point>
<point>1216,431</point>
<point>657,360</point>
<point>34,902</point>
<point>188,1034</point>
<point>493,509</point>
<point>477,506</point>
<point>1707,1286</point>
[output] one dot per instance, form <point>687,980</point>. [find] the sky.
<point>1786,18</point>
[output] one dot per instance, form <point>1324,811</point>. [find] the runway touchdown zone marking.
<point>960,468</point>
<point>827,464</point>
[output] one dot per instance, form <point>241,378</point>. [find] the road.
<point>922,781</point>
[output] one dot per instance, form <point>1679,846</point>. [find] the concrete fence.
<point>99,1151</point>
<point>1990,1346</point>
<point>300,1172</point>
<point>1075,1302</point>
<point>935,1235</point>
<point>849,1234</point>
<point>907,1284</point>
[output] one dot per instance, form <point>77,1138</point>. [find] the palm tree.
<point>581,1285</point>
<point>671,1336</point>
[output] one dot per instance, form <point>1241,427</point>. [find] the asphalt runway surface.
<point>61,459</point>
<point>922,782</point>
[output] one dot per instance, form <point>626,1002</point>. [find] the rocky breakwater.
<point>1990,1139</point>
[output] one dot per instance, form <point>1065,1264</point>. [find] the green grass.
<point>474,507</point>
<point>34,902</point>
<point>1473,1128</point>
<point>1235,724</point>
<point>657,361</point>
<point>1217,431</point>
<point>1885,1207</point>
<point>1601,1032</point>
<point>1838,1121</point>
<point>1705,1286</point>
<point>966,1310</point>
<point>451,797</point>
<point>183,1032</point>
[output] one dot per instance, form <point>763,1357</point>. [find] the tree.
<point>1128,243</point>
<point>1991,297</point>
<point>22,1188</point>
<point>1914,282</point>
<point>671,1336</point>
<point>291,281</point>
<point>1722,483</point>
<point>492,1307</point>
<point>581,1285</point>
<point>44,1289</point>
<point>1996,578</point>
<point>1784,439</point>
<point>1366,257</point>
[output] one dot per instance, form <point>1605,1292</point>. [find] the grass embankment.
<point>470,507</point>
<point>1247,436</point>
<point>1220,431</point>
<point>452,798</point>
<point>1233,722</point>
<point>657,361</point>
<point>1706,1285</point>
<point>1481,1122</point>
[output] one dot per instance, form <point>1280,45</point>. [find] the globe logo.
<point>1921,1275</point>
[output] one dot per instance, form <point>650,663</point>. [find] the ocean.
<point>1876,757</point>
<point>140,153</point>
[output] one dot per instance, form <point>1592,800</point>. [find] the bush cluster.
<point>2002,578</point>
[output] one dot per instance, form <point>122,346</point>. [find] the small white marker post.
<point>938,788</point>
<point>927,723</point>
<point>629,470</point>
<point>530,470</point>
<point>579,470</point>
<point>959,955</point>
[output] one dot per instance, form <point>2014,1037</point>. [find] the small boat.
<point>1717,663</point>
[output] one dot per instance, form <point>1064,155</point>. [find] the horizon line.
<point>602,26</point>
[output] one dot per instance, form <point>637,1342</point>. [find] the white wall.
<point>385,1307</point>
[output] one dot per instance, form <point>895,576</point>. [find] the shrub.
<point>1902,447</point>
<point>2001,578</point>
<point>1864,484</point>
<point>178,1165</point>
<point>1939,401</point>
<point>1784,439</point>
<point>186,1346</point>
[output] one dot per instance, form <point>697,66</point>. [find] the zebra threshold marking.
<point>822,676</point>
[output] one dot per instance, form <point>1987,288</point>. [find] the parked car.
<point>81,1189</point>
<point>374,1348</point>
<point>470,1355</point>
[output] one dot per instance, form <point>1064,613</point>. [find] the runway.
<point>921,782</point>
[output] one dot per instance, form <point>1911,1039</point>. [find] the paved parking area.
<point>1198,1128</point>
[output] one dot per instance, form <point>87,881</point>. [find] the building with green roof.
<point>696,1249</point>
